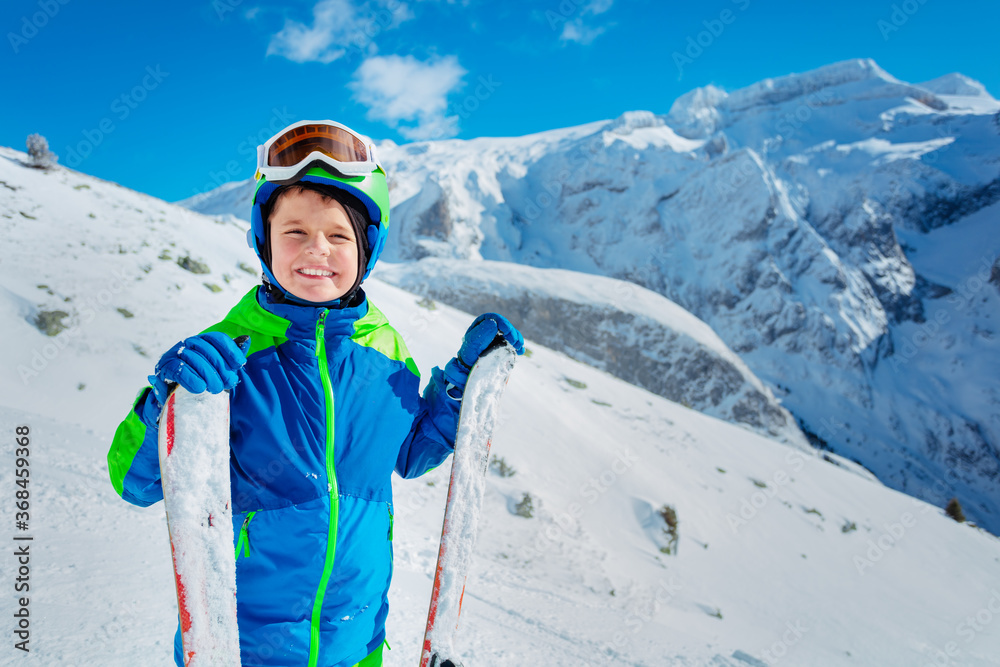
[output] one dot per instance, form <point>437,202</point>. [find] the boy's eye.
<point>340,236</point>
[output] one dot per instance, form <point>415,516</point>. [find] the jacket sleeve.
<point>134,460</point>
<point>435,426</point>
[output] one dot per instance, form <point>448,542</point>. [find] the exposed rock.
<point>50,322</point>
<point>618,327</point>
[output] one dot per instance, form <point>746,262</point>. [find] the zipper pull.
<point>244,540</point>
<point>320,326</point>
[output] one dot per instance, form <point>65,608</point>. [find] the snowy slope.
<point>96,251</point>
<point>781,556</point>
<point>789,216</point>
<point>633,333</point>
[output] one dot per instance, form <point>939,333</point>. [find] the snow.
<point>947,254</point>
<point>961,92</point>
<point>771,91</point>
<point>955,84</point>
<point>768,567</point>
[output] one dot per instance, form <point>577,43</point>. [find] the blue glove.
<point>206,362</point>
<point>481,334</point>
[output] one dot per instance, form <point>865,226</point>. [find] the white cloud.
<point>598,6</point>
<point>337,28</point>
<point>402,89</point>
<point>576,31</point>
<point>400,14</point>
<point>323,41</point>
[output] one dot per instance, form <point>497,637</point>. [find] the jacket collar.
<point>302,319</point>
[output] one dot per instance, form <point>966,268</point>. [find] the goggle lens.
<point>294,146</point>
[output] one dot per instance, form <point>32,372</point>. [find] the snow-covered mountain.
<point>777,555</point>
<point>839,230</point>
<point>227,199</point>
<point>631,332</point>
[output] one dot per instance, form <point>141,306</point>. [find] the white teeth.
<point>315,272</point>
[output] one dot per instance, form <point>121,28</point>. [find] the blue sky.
<point>171,98</point>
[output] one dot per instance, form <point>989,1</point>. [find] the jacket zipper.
<point>391,519</point>
<point>244,541</point>
<point>331,486</point>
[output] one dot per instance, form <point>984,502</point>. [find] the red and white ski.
<point>194,467</point>
<point>479,413</point>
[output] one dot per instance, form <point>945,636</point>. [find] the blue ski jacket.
<point>327,406</point>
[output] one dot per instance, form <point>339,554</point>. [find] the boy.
<point>324,405</point>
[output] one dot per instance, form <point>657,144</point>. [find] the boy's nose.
<point>318,245</point>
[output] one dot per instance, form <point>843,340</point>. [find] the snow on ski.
<point>479,412</point>
<point>194,466</point>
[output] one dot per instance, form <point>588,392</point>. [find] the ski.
<point>194,468</point>
<point>478,417</point>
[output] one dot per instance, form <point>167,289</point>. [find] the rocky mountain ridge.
<point>838,229</point>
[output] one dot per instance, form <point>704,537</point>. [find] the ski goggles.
<point>287,154</point>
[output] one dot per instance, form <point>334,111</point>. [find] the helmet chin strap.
<point>277,294</point>
<point>361,238</point>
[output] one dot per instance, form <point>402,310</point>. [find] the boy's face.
<point>314,250</point>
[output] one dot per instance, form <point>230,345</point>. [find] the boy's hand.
<point>206,362</point>
<point>482,332</point>
<point>478,338</point>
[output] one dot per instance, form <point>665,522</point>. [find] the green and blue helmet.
<point>320,155</point>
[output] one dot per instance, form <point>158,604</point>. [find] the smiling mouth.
<point>315,273</point>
